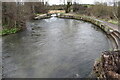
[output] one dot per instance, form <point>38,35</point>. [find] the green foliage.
<point>9,31</point>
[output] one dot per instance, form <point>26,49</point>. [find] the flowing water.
<point>53,48</point>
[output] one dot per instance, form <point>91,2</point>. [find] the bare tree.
<point>68,7</point>
<point>15,14</point>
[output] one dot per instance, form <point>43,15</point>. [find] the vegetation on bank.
<point>9,31</point>
<point>113,22</point>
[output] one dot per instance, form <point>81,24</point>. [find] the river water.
<point>53,48</point>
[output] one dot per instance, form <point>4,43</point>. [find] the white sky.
<point>62,1</point>
<point>79,1</point>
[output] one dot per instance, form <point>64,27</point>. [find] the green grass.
<point>9,31</point>
<point>113,21</point>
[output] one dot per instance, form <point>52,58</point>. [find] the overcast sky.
<point>79,1</point>
<point>61,1</point>
<point>51,2</point>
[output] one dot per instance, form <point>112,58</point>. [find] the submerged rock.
<point>108,66</point>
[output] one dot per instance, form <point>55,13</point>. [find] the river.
<point>53,48</point>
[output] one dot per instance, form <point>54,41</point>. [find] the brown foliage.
<point>101,10</point>
<point>15,14</point>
